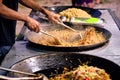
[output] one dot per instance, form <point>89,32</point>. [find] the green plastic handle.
<point>87,20</point>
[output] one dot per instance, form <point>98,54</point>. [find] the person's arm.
<point>36,6</point>
<point>8,13</point>
<point>11,14</point>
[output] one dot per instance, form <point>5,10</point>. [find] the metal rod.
<point>19,78</point>
<point>20,72</point>
<point>47,33</point>
<point>58,42</point>
<point>62,24</point>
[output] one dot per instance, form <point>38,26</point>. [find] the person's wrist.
<point>45,11</point>
<point>25,18</point>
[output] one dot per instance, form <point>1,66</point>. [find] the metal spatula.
<point>33,76</point>
<point>62,24</point>
<point>21,78</point>
<point>56,39</point>
<point>78,36</point>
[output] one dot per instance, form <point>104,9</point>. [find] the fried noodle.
<point>69,38</point>
<point>83,73</point>
<point>74,12</point>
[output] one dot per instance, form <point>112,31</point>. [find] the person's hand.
<point>97,1</point>
<point>54,18</point>
<point>85,3</point>
<point>33,25</point>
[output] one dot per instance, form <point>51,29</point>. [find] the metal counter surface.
<point>111,51</point>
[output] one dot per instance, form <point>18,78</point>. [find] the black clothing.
<point>74,2</point>
<point>3,51</point>
<point>7,28</point>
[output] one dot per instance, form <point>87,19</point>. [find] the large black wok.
<point>33,44</point>
<point>91,11</point>
<point>46,27</point>
<point>47,63</point>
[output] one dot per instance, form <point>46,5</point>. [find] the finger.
<point>82,5</point>
<point>90,5</point>
<point>31,27</point>
<point>53,20</point>
<point>35,28</point>
<point>38,28</point>
<point>98,1</point>
<point>85,4</point>
<point>58,20</point>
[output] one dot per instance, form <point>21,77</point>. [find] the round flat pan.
<point>47,63</point>
<point>33,45</point>
<point>91,11</point>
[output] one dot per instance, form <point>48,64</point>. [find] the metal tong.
<point>33,76</point>
<point>57,40</point>
<point>20,78</point>
<point>62,24</point>
<point>47,33</point>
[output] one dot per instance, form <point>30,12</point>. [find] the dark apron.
<point>7,29</point>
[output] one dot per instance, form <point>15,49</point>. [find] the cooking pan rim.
<point>74,46</point>
<point>86,47</point>
<point>94,57</point>
<point>96,13</point>
<point>63,53</point>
